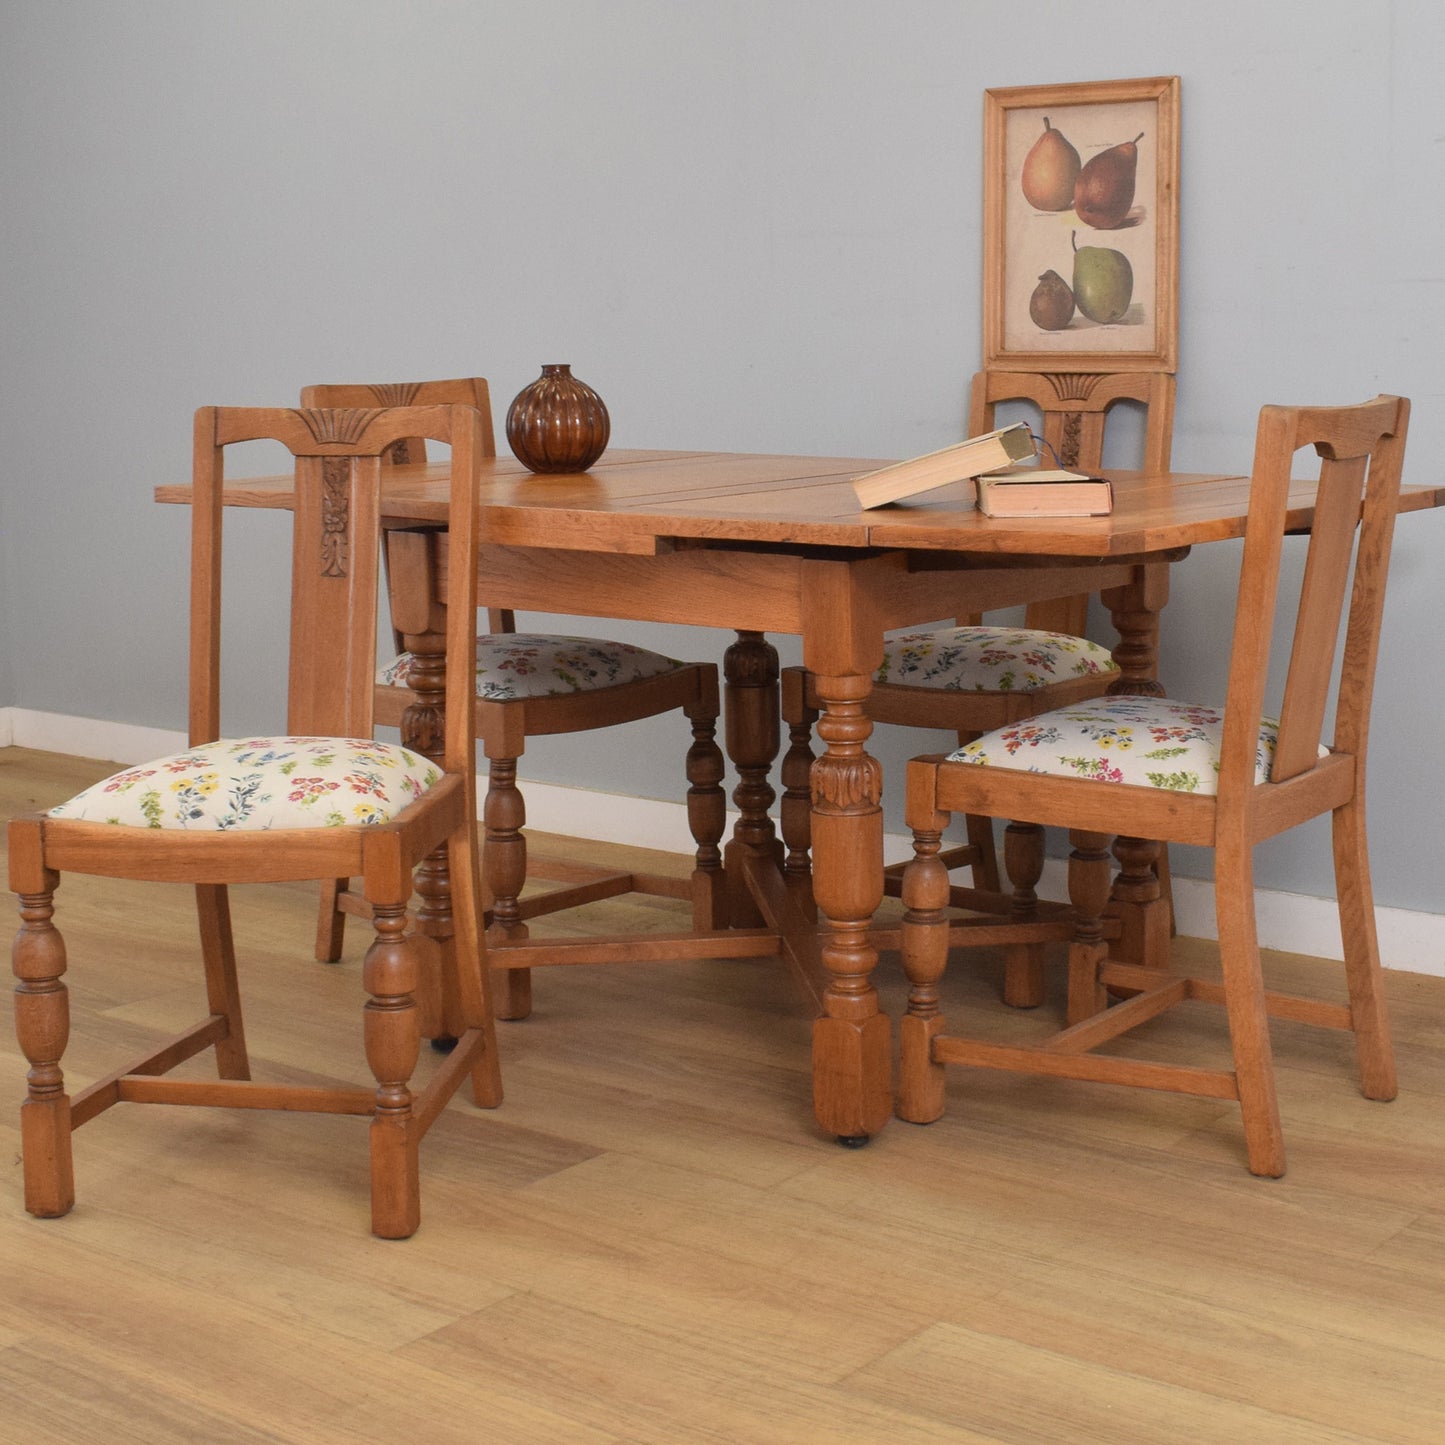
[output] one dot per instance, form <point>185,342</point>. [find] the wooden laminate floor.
<point>650,1241</point>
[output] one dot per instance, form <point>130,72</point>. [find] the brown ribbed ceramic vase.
<point>557,424</point>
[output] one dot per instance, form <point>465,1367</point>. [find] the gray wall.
<point>752,226</point>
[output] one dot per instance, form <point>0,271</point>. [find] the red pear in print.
<point>1050,170</point>
<point>1104,190</point>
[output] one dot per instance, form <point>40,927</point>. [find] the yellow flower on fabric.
<point>201,783</point>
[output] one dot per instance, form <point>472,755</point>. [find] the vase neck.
<point>557,369</point>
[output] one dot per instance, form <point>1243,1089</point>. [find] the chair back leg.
<point>1245,1005</point>
<point>330,920</point>
<point>223,993</point>
<point>1369,1013</point>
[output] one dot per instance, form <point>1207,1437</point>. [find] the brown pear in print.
<point>1051,307</point>
<point>1104,190</point>
<point>1050,170</point>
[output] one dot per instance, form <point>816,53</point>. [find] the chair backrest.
<point>463,391</point>
<point>1074,409</point>
<point>336,541</point>
<point>1360,450</point>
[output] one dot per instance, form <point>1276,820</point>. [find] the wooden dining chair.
<point>529,685</point>
<point>1223,778</point>
<point>320,798</point>
<point>971,677</point>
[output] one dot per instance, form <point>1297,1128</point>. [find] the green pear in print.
<point>1050,170</point>
<point>1103,281</point>
<point>1104,190</point>
<point>1051,307</point>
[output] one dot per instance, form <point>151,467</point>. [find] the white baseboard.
<point>53,732</point>
<point>1294,922</point>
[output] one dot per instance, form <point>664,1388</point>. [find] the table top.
<point>632,501</point>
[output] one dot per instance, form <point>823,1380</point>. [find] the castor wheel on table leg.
<point>852,1141</point>
<point>443,1045</point>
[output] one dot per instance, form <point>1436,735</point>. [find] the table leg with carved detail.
<point>852,1041</point>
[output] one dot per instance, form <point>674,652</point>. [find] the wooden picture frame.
<point>1109,312</point>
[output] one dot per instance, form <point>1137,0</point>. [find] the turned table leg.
<point>852,1042</point>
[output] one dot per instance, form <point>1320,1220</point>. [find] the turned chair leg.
<point>924,952</point>
<point>42,1027</point>
<point>393,1045</point>
<point>707,818</point>
<point>1089,888</point>
<point>795,807</point>
<point>1023,857</point>
<point>504,864</point>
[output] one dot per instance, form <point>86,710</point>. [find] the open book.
<point>1044,492</point>
<point>957,463</point>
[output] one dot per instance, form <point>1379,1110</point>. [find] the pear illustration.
<point>1050,170</point>
<point>1103,281</point>
<point>1052,304</point>
<point>1104,189</point>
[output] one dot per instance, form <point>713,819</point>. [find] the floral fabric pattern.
<point>524,664</point>
<point>258,783</point>
<point>1148,742</point>
<point>990,659</point>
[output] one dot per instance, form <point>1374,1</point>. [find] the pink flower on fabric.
<point>1027,735</point>
<point>303,788</point>
<point>124,780</point>
<point>1098,770</point>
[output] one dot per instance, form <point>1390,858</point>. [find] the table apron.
<point>768,591</point>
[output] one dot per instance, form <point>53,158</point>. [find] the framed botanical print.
<point>1081,226</point>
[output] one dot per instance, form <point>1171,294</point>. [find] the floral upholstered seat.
<point>990,659</point>
<point>1148,742</point>
<point>252,784</point>
<point>522,664</point>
